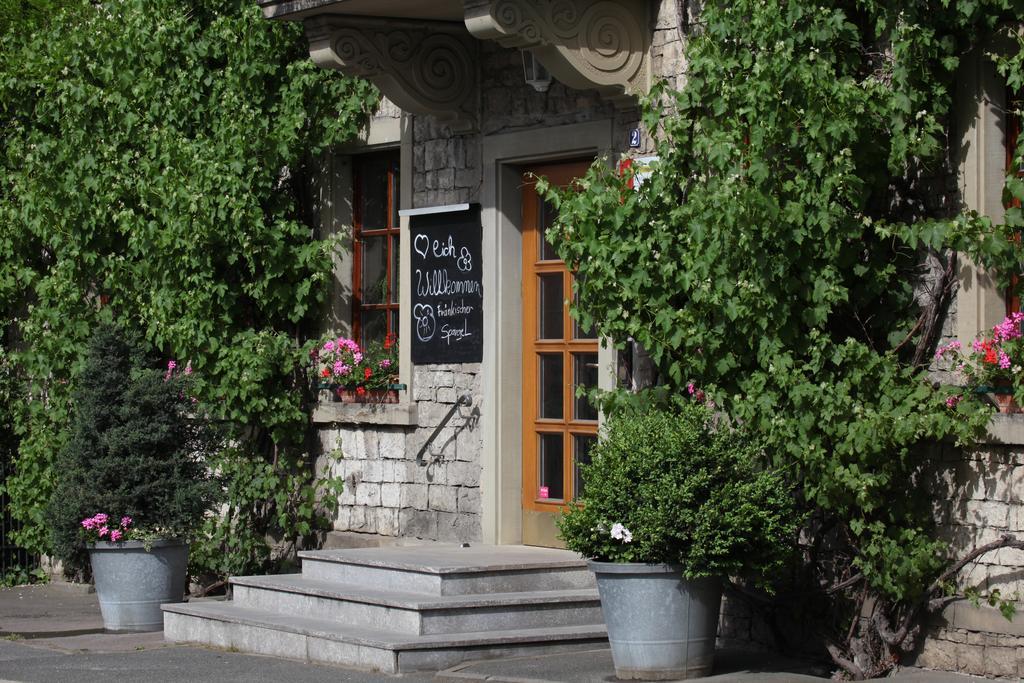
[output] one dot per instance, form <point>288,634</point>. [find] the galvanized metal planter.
<point>132,583</point>
<point>660,625</point>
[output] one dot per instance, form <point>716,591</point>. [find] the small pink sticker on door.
<point>543,493</point>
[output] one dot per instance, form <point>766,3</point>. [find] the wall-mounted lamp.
<point>537,77</point>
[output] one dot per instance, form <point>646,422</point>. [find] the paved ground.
<point>35,662</point>
<point>49,634</point>
<point>48,610</point>
<point>731,666</point>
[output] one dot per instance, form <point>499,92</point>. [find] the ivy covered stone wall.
<point>978,496</point>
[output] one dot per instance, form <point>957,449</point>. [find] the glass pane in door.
<point>550,383</point>
<point>581,445</point>
<point>551,306</point>
<point>577,331</point>
<point>584,375</point>
<point>547,217</point>
<point>552,477</point>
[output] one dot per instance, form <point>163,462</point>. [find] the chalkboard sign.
<point>447,286</point>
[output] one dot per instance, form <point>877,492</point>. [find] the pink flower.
<point>1009,328</point>
<point>386,363</point>
<point>690,388</point>
<point>951,401</point>
<point>171,365</point>
<point>101,519</point>
<point>329,346</point>
<point>116,535</point>
<point>103,531</point>
<point>357,357</point>
<point>954,345</point>
<point>1004,360</point>
<point>126,521</point>
<point>188,368</point>
<point>89,523</point>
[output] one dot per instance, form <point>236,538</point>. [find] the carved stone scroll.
<point>423,68</point>
<point>600,44</point>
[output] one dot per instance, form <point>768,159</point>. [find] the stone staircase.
<point>405,608</point>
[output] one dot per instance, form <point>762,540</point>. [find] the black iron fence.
<point>13,559</point>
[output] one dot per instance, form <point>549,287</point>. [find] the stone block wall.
<point>399,482</point>
<point>978,651</point>
<point>978,496</point>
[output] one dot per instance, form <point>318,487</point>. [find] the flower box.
<point>350,374</point>
<point>342,394</point>
<point>1003,398</point>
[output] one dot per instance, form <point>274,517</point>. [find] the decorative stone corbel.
<point>599,44</point>
<point>424,68</point>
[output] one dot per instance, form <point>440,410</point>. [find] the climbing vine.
<point>794,254</point>
<point>156,167</point>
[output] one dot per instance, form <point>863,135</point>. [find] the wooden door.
<point>559,428</point>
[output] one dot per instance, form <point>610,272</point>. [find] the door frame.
<point>539,517</point>
<point>504,157</point>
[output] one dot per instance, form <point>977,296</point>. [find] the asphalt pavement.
<point>53,634</point>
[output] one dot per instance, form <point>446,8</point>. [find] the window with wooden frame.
<point>375,246</point>
<point>1013,107</point>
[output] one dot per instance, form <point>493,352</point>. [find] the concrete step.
<point>416,613</point>
<point>227,625</point>
<point>440,569</point>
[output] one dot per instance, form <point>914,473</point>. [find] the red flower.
<point>326,372</point>
<point>367,372</point>
<point>991,355</point>
<point>360,391</point>
<point>387,341</point>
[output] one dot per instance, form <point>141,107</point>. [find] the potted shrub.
<point>673,504</point>
<point>358,375</point>
<point>131,484</point>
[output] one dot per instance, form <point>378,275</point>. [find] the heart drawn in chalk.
<point>420,245</point>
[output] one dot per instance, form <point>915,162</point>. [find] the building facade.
<point>481,96</point>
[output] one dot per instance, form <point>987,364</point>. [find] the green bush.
<point>684,492</point>
<point>163,156</point>
<point>134,450</point>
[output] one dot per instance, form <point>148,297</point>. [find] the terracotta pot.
<point>1006,403</point>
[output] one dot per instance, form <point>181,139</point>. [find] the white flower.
<point>621,533</point>
<point>1016,368</point>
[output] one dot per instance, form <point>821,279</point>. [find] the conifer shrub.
<point>667,485</point>
<point>135,450</point>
